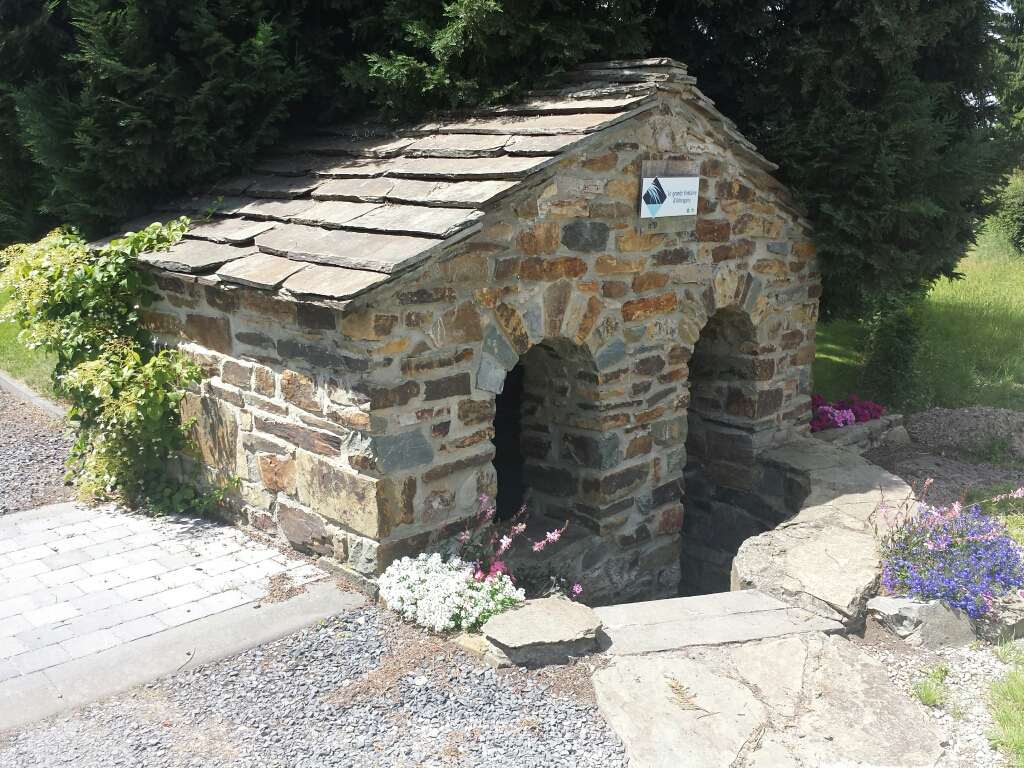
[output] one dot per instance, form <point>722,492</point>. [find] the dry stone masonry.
<point>395,322</point>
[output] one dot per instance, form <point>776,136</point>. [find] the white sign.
<point>669,196</point>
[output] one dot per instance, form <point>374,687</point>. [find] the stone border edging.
<point>29,396</point>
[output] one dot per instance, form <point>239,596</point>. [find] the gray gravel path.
<point>361,690</point>
<point>33,450</point>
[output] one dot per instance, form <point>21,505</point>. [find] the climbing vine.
<point>84,306</point>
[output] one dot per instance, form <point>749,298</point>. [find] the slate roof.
<point>328,216</point>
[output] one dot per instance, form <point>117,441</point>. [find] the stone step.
<point>724,617</point>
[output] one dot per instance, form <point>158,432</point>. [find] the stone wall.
<point>363,432</point>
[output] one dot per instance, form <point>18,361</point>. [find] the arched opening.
<point>733,406</point>
<point>508,454</point>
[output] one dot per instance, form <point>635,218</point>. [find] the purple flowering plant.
<point>483,542</point>
<point>841,413</point>
<point>956,553</point>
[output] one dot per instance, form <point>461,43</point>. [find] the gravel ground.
<point>963,717</point>
<point>361,689</point>
<point>971,430</point>
<point>33,450</point>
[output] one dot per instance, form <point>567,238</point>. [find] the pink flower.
<point>576,589</point>
<point>538,545</point>
<point>506,542</point>
<point>553,536</point>
<point>464,536</point>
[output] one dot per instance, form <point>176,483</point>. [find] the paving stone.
<point>545,631</point>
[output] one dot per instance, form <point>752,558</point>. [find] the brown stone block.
<point>305,530</point>
<point>316,317</point>
<point>214,430</point>
<point>437,502</point>
<point>541,238</point>
<point>671,520</point>
<point>791,339</point>
<point>649,281</point>
<point>705,206</point>
<point>445,470</point>
<point>210,332</point>
<point>440,429</point>
<point>427,296</point>
<point>181,302</point>
<point>299,390</point>
<point>173,283</point>
<point>264,404</point>
<point>367,324</point>
<point>632,242</point>
<point>712,167</point>
<point>803,356</point>
<point>591,314</point>
<point>223,299</point>
<point>556,481</point>
<point>713,230</point>
<point>472,412</point>
<point>534,446</point>
<point>556,301</point>
<point>676,374</point>
<point>277,473</point>
<point>506,268</point>
<point>614,485</point>
<point>342,496</point>
<point>466,268</point>
<point>389,397</point>
<point>459,325</point>
<point>236,373</point>
<point>449,386</point>
<point>614,289</point>
<point>410,546</point>
<point>756,226</point>
<point>313,440</point>
<point>737,249</point>
<point>398,501</point>
<point>416,319</point>
<point>679,354</point>
<point>730,189</point>
<point>268,307</point>
<point>480,436</point>
<point>650,415</point>
<point>639,446</point>
<point>609,265</point>
<point>413,365</point>
<point>804,250</point>
<point>614,210</point>
<point>814,291</point>
<point>674,257</point>
<point>770,267</point>
<point>227,394</point>
<point>512,322</point>
<point>161,322</point>
<point>623,189</point>
<point>603,163</point>
<point>649,366</point>
<point>552,269</point>
<point>490,296</point>
<point>263,381</point>
<point>642,309</point>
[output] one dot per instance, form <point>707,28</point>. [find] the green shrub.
<point>890,373</point>
<point>1009,218</point>
<point>84,306</point>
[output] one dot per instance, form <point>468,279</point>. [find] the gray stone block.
<point>408,449</point>
<point>547,631</point>
<point>610,355</point>
<point>496,345</point>
<point>932,624</point>
<point>490,376</point>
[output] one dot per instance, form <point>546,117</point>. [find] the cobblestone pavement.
<point>362,689</point>
<point>33,449</point>
<point>77,580</point>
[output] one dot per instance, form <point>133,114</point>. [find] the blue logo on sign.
<point>654,196</point>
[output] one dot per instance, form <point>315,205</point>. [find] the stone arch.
<point>734,411</point>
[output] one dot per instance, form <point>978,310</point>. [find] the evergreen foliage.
<point>879,114</point>
<point>1009,219</point>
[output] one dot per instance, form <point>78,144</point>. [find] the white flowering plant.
<point>444,595</point>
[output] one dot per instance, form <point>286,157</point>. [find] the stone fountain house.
<point>398,320</point>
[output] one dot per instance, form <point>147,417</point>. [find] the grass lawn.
<point>973,337</point>
<point>1007,700</point>
<point>32,368</point>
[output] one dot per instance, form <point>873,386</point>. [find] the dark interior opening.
<point>508,456</point>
